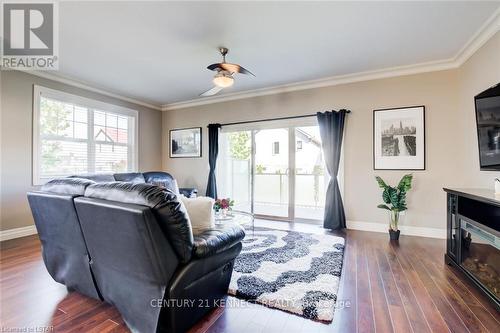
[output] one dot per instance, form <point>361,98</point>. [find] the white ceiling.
<point>157,52</point>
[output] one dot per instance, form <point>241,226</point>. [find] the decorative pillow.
<point>201,213</point>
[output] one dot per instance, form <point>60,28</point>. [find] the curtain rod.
<point>273,119</point>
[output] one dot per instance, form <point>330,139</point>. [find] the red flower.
<point>223,204</point>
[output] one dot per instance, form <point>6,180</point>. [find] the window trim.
<point>39,91</point>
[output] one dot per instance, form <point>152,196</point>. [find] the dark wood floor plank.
<point>383,322</point>
<point>489,321</point>
<point>452,319</point>
<point>480,297</point>
<point>72,306</point>
<point>463,287</point>
<point>465,313</point>
<point>345,317</point>
<point>378,281</point>
<point>365,316</point>
<point>103,327</point>
<point>432,315</point>
<point>399,317</point>
<point>122,328</point>
<point>412,307</point>
<point>462,301</point>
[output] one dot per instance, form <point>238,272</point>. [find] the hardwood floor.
<point>385,287</point>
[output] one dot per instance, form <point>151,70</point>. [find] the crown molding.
<point>319,83</point>
<point>86,86</point>
<point>482,35</point>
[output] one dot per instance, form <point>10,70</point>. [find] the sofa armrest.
<point>188,192</point>
<point>218,239</point>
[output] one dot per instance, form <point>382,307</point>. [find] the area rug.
<point>288,270</point>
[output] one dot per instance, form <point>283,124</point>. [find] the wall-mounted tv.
<point>488,127</point>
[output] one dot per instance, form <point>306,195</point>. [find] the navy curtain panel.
<point>331,129</point>
<point>213,151</point>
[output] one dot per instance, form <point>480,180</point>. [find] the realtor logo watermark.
<point>29,35</point>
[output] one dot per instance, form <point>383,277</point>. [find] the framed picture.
<point>399,138</point>
<point>185,142</point>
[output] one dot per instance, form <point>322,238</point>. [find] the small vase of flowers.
<point>223,206</point>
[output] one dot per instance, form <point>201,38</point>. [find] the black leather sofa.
<point>153,177</point>
<point>131,245</point>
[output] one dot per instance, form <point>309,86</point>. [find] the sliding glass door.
<point>275,173</point>
<point>234,169</point>
<point>311,178</point>
<point>271,173</point>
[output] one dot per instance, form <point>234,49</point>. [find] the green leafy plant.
<point>395,198</point>
<point>53,122</point>
<point>239,145</point>
<point>259,168</point>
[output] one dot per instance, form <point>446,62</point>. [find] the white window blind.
<point>74,135</point>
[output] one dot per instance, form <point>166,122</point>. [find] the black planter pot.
<point>394,235</point>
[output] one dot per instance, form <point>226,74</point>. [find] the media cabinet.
<point>473,238</point>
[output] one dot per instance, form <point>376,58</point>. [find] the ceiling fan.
<point>224,77</point>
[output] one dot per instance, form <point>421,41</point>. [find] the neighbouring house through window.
<point>299,145</point>
<point>276,148</point>
<point>74,135</point>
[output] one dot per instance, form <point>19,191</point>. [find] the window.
<point>73,135</point>
<point>290,185</point>
<point>276,148</point>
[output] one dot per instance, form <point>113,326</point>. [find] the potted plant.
<point>395,202</point>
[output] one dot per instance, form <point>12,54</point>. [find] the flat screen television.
<point>488,127</point>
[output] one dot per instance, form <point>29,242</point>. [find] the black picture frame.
<point>424,153</point>
<point>172,132</point>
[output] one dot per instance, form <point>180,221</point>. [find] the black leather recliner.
<point>64,250</point>
<point>142,255</point>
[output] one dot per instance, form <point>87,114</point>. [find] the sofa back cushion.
<point>131,177</point>
<point>68,186</point>
<point>162,179</point>
<point>126,243</point>
<point>98,177</point>
<point>169,211</point>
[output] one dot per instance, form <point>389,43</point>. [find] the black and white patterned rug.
<point>288,270</point>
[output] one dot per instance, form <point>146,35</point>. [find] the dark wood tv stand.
<point>473,238</point>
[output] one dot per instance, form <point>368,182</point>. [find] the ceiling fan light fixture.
<point>223,80</point>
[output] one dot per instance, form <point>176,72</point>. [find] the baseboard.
<point>17,232</point>
<point>405,229</point>
<point>356,225</point>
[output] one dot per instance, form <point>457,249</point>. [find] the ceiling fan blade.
<point>212,91</point>
<point>235,68</point>
<point>214,67</point>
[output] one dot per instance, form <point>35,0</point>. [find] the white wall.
<point>16,96</point>
<point>451,149</point>
<point>452,157</point>
<point>480,72</point>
